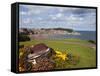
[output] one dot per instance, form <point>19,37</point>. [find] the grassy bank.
<point>82,48</point>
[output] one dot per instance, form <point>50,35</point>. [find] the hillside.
<point>47,31</point>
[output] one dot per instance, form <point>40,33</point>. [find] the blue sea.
<point>84,35</point>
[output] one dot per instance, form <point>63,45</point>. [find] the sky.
<point>32,16</point>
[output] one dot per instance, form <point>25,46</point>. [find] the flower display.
<point>61,55</point>
<point>61,59</point>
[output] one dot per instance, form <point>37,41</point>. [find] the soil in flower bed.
<point>43,64</point>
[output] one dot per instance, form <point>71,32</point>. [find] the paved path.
<point>78,43</point>
<point>82,44</point>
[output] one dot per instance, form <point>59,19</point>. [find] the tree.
<point>23,37</point>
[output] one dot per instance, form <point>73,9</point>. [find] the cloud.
<point>23,13</point>
<point>40,16</point>
<point>27,21</point>
<point>59,15</point>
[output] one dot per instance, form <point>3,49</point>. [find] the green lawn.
<point>74,46</point>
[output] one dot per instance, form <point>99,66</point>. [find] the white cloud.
<point>54,18</point>
<point>32,12</point>
<point>61,10</point>
<point>26,20</point>
<point>59,15</point>
<point>72,20</point>
<point>81,19</point>
<point>23,13</point>
<point>39,18</point>
<point>66,17</point>
<point>72,17</point>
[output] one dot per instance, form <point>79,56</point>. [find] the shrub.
<point>23,37</point>
<point>63,59</point>
<point>91,41</point>
<point>21,46</point>
<point>23,64</point>
<point>73,59</point>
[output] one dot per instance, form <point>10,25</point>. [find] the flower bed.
<point>60,60</point>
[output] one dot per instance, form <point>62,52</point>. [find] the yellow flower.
<point>21,53</point>
<point>58,52</point>
<point>61,55</point>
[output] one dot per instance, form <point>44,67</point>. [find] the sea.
<point>84,35</point>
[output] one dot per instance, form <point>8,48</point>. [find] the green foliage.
<point>70,61</point>
<point>74,47</point>
<point>65,29</point>
<point>24,37</point>
<point>91,41</point>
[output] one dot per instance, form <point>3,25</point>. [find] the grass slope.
<point>74,46</point>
